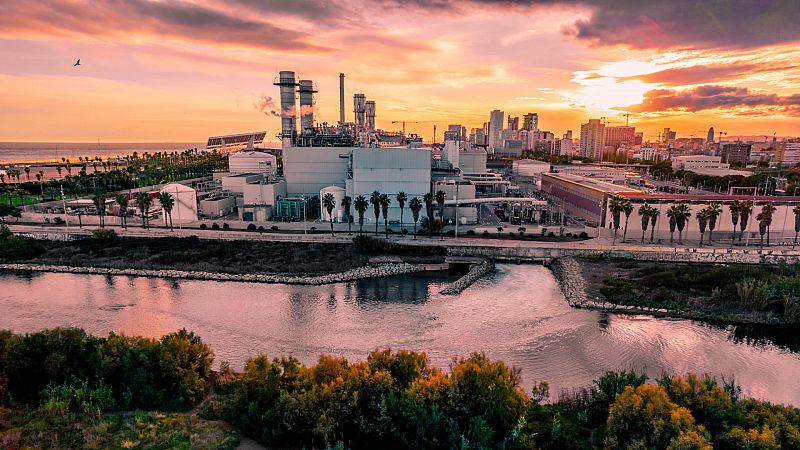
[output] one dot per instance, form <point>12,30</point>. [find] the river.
<point>518,315</point>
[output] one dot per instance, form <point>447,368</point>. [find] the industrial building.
<point>581,196</point>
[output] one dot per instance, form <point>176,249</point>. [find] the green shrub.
<point>251,227</point>
<point>226,226</point>
<point>17,248</point>
<point>214,226</point>
<point>274,228</point>
<point>203,226</point>
<point>104,234</point>
<point>583,235</point>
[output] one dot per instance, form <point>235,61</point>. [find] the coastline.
<point>569,273</point>
<point>360,273</point>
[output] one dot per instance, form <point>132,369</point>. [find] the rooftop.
<point>592,183</point>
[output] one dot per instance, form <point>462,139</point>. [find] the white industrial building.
<point>698,162</point>
<point>473,161</point>
<point>259,198</point>
<point>309,169</point>
<point>252,161</point>
<point>184,209</point>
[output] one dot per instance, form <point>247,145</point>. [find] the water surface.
<point>517,314</point>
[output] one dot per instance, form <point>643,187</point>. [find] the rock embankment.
<point>567,271</point>
<point>475,273</point>
<point>359,273</point>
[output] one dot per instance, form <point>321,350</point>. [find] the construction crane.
<point>721,133</point>
<point>404,122</point>
<point>627,116</point>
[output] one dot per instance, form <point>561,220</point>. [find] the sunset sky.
<point>184,70</point>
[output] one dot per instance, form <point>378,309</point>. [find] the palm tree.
<point>714,210</point>
<point>122,201</point>
<point>375,200</point>
<point>39,176</point>
<point>764,219</point>
<point>673,222</point>
<point>329,203</point>
<point>76,191</point>
<point>361,204</point>
<point>144,201</point>
<point>682,216</point>
<point>702,221</point>
<point>654,213</point>
<point>401,198</point>
<point>644,212</point>
<point>736,208</point>
<point>28,172</point>
<point>627,209</point>
<point>744,216</point>
<point>796,212</point>
<point>59,169</point>
<point>167,203</point>
<point>346,202</point>
<point>416,206</point>
<point>616,205</point>
<point>385,201</point>
<point>440,198</point>
<point>428,199</point>
<point>99,200</point>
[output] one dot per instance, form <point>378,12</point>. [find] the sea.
<point>45,152</point>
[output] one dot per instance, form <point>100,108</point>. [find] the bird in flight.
<point>77,63</point>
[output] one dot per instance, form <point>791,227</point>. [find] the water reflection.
<point>518,314</point>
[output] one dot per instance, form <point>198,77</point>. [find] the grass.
<point>15,200</point>
<point>204,255</point>
<point>138,430</point>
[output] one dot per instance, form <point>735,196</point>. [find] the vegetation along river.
<point>517,314</point>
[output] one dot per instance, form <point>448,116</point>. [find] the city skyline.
<point>182,71</point>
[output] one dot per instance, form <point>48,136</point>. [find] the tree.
<point>702,221</point>
<point>714,210</point>
<point>346,203</point>
<point>76,191</point>
<point>682,214</point>
<point>28,172</point>
<point>122,202</point>
<point>361,204</point>
<point>645,211</point>
<point>144,201</point>
<point>673,222</point>
<point>329,203</point>
<point>401,198</point>
<point>9,211</point>
<point>416,206</point>
<point>768,211</point>
<point>428,199</point>
<point>167,203</point>
<point>616,205</point>
<point>744,216</point>
<point>440,198</point>
<point>654,213</point>
<point>99,200</point>
<point>796,212</point>
<point>736,209</point>
<point>375,200</point>
<point>627,208</point>
<point>385,201</point>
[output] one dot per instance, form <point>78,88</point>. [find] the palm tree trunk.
<point>331,217</point>
<point>386,226</point>
<point>625,233</point>
<point>415,231</point>
<point>652,233</point>
<point>643,230</point>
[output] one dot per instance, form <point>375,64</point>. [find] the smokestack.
<point>288,107</point>
<point>341,99</point>
<point>370,113</point>
<point>359,107</point>
<point>306,91</point>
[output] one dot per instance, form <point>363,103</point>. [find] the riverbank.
<point>476,272</point>
<point>725,293</point>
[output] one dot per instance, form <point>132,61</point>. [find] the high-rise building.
<point>638,138</point>
<point>495,128</point>
<point>710,137</point>
<point>513,123</point>
<point>619,135</point>
<point>668,136</point>
<point>530,122</point>
<point>736,152</point>
<point>591,144</point>
<point>788,152</point>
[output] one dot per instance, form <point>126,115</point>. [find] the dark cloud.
<point>715,97</point>
<point>124,18</point>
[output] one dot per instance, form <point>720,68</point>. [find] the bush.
<point>583,235</point>
<point>58,221</point>
<point>472,232</point>
<point>273,228</point>
<point>214,226</point>
<point>569,235</point>
<point>203,226</point>
<point>313,229</point>
<point>450,233</point>
<point>225,226</point>
<point>404,231</point>
<point>104,234</point>
<point>486,233</point>
<point>551,234</point>
<point>17,248</point>
<point>251,227</point>
<point>374,246</point>
<point>261,229</point>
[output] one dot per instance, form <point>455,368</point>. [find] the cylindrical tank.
<point>306,91</point>
<point>338,196</point>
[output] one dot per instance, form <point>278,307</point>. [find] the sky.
<point>158,70</point>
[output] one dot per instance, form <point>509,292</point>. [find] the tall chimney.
<point>369,108</point>
<point>341,99</point>
<point>288,107</point>
<point>306,91</point>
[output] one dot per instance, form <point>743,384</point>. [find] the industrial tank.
<point>338,196</point>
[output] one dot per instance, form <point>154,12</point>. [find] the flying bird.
<point>77,63</point>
